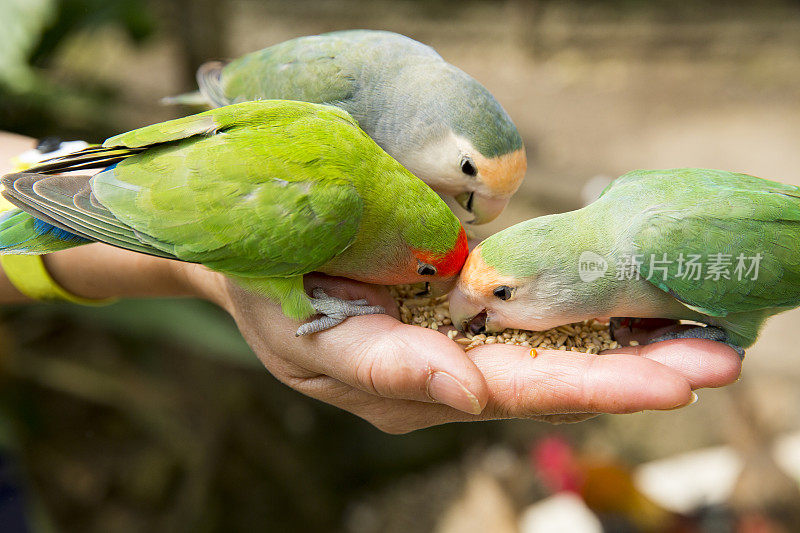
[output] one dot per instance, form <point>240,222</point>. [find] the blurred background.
<point>155,416</point>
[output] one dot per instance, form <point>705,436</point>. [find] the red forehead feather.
<point>450,264</point>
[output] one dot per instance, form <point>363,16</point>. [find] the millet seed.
<point>589,336</point>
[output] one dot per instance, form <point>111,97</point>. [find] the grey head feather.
<point>417,98</point>
<point>401,92</point>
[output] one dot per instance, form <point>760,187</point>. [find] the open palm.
<point>401,377</point>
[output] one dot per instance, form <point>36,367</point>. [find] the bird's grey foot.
<point>709,333</point>
<point>334,311</point>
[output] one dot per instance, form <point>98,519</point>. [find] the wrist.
<point>98,271</point>
<point>200,282</point>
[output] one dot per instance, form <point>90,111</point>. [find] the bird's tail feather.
<point>195,98</point>
<point>209,79</point>
<point>22,234</point>
<point>67,203</point>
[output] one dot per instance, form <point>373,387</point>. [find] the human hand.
<point>401,377</point>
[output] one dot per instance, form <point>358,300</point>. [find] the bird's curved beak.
<point>484,208</point>
<point>464,313</point>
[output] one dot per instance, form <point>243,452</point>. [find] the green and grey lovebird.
<point>436,120</point>
<point>705,245</point>
<point>263,192</point>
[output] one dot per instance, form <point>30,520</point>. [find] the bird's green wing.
<point>240,201</point>
<point>309,69</point>
<point>744,231</point>
<point>272,228</point>
<point>228,188</point>
<point>271,115</point>
<point>124,145</point>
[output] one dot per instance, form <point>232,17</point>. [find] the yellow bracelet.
<point>30,277</point>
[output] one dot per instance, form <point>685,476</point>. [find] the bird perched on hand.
<point>435,119</point>
<point>263,192</point>
<point>704,245</point>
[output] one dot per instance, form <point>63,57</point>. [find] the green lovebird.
<point>263,192</point>
<point>705,245</point>
<point>435,119</point>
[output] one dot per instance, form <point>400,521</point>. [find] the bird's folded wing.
<point>310,69</point>
<point>749,251</point>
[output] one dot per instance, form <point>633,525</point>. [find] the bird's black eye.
<point>468,167</point>
<point>425,269</point>
<point>503,292</point>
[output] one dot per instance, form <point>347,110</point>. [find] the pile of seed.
<point>419,309</point>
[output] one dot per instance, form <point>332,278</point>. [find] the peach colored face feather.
<point>502,175</point>
<point>478,279</point>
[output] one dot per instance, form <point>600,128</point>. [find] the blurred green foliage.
<point>32,102</point>
<point>71,16</point>
<point>23,24</point>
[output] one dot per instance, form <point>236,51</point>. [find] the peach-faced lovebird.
<point>704,245</point>
<point>435,119</point>
<point>263,192</point>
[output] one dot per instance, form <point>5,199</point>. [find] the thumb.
<point>373,353</point>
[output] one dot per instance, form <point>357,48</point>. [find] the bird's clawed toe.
<point>334,311</point>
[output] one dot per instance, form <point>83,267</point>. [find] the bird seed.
<point>420,309</point>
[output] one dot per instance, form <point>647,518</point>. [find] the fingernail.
<point>444,388</point>
<point>692,399</point>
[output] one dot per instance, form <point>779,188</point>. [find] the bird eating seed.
<point>589,336</point>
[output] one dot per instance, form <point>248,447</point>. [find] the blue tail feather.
<point>21,233</point>
<point>43,228</point>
